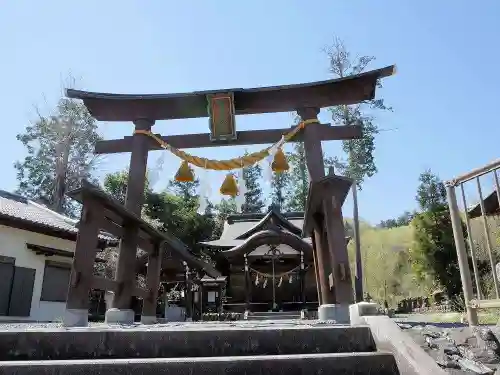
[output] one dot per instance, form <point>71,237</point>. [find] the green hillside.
<point>386,264</point>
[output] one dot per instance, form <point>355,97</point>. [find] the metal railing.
<point>474,299</point>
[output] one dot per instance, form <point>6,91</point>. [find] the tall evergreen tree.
<point>253,196</point>
<point>60,154</point>
<point>299,178</point>
<point>358,161</point>
<point>279,187</point>
<point>185,190</point>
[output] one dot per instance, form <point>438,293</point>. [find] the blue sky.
<point>444,94</point>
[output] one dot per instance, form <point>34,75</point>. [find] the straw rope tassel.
<point>184,173</point>
<point>225,165</point>
<point>280,164</point>
<point>229,186</point>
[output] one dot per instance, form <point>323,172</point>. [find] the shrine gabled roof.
<point>121,107</point>
<point>239,227</point>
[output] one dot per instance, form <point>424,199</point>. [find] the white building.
<point>36,250</point>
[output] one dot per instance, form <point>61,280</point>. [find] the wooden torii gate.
<point>221,106</point>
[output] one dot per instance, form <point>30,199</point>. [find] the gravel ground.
<point>443,341</point>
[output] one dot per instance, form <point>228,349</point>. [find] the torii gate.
<point>221,106</point>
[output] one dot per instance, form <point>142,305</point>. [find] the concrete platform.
<point>303,364</point>
<point>186,340</point>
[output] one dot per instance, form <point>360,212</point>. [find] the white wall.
<point>13,244</point>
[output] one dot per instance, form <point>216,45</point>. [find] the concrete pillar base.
<point>76,318</point>
<point>337,312</point>
<point>148,319</point>
<point>119,316</point>
<point>358,310</point>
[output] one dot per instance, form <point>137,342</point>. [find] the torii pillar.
<point>330,247</point>
<point>121,311</point>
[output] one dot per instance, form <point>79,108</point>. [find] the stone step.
<point>304,364</point>
<point>275,316</point>
<point>194,340</point>
<point>258,313</point>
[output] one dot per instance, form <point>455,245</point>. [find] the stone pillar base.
<point>76,318</point>
<point>360,309</point>
<point>148,319</point>
<point>119,316</point>
<point>336,312</point>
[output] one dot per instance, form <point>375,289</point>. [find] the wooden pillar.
<point>316,169</point>
<point>247,285</point>
<point>323,257</point>
<point>337,243</point>
<point>125,276</point>
<point>152,284</point>
<point>187,292</point>
<point>316,269</point>
<point>82,271</point>
<point>220,306</point>
<point>302,281</point>
<point>201,300</point>
<point>358,281</point>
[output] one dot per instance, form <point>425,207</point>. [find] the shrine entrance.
<point>323,218</point>
<point>267,263</point>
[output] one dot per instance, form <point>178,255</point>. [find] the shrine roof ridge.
<point>129,107</point>
<point>257,216</point>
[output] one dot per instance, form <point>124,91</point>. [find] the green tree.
<point>175,214</point>
<point>279,187</point>
<point>298,178</point>
<point>431,193</point>
<point>60,154</point>
<point>253,196</point>
<point>185,190</point>
<point>433,252</point>
<point>116,185</point>
<point>358,162</point>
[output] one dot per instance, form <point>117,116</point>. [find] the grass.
<point>490,317</point>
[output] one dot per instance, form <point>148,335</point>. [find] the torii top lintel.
<point>120,107</point>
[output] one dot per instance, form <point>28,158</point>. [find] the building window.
<point>55,281</point>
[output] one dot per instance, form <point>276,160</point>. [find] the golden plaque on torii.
<point>221,116</point>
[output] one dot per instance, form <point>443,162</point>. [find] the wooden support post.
<point>316,169</point>
<point>133,202</point>
<point>358,281</point>
<point>341,270</point>
<point>82,273</point>
<point>201,300</point>
<point>302,281</point>
<point>316,269</point>
<point>152,285</point>
<point>188,302</point>
<point>324,267</point>
<point>247,285</point>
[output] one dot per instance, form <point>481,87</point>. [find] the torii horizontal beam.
<point>346,90</point>
<point>326,132</point>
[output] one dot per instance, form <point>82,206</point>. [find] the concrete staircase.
<point>195,349</point>
<point>270,315</point>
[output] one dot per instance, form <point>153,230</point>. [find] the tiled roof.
<point>16,207</point>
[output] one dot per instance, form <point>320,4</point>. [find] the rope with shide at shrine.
<point>229,186</point>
